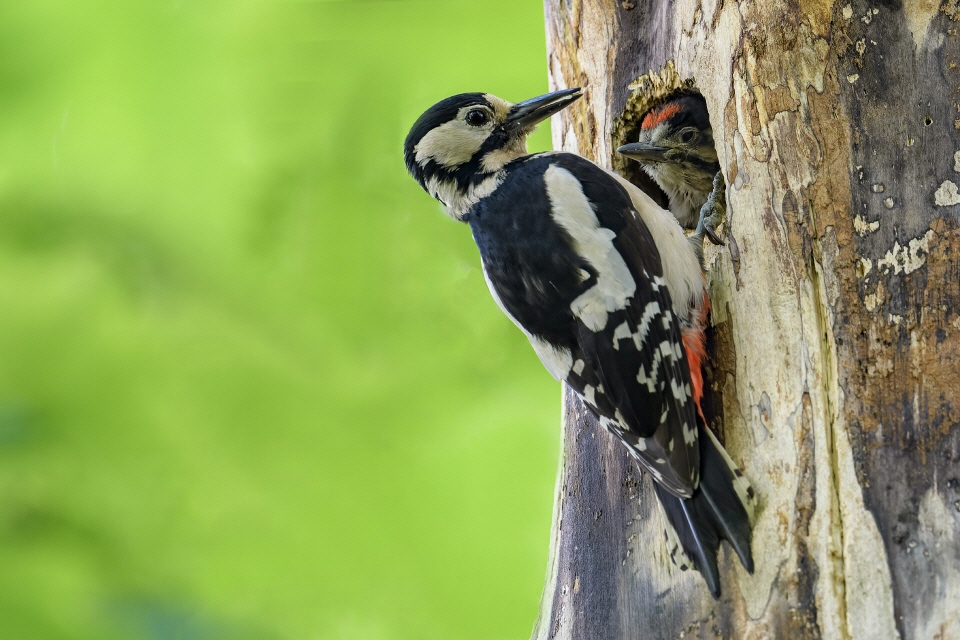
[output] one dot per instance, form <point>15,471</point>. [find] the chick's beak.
<point>528,113</point>
<point>644,152</point>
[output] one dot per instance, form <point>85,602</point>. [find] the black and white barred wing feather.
<point>631,367</point>
<point>634,356</point>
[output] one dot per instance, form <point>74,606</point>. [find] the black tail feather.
<point>720,509</point>
<point>705,543</point>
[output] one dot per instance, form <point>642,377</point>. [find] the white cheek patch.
<point>451,144</point>
<point>572,211</point>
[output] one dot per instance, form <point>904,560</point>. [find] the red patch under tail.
<point>694,343</point>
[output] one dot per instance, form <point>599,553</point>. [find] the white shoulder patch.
<point>572,211</point>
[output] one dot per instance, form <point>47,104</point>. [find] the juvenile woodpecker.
<point>609,293</point>
<point>676,148</point>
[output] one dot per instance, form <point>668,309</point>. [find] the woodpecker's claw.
<point>711,234</point>
<point>713,210</point>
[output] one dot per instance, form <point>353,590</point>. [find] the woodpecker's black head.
<point>676,148</point>
<point>459,143</point>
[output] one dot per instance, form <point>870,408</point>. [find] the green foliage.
<point>251,381</point>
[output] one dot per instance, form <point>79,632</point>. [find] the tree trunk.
<point>836,320</point>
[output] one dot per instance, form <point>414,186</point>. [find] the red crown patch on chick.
<point>660,114</point>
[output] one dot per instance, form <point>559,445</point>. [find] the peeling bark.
<point>835,379</point>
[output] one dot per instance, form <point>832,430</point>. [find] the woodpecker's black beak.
<point>644,152</point>
<point>526,114</point>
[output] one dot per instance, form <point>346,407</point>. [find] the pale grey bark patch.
<point>836,321</point>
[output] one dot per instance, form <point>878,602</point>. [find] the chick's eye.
<point>688,135</point>
<point>476,118</point>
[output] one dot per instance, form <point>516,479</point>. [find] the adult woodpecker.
<point>675,147</point>
<point>608,291</point>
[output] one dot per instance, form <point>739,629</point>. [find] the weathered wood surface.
<point>836,384</point>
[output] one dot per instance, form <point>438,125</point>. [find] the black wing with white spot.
<point>635,373</point>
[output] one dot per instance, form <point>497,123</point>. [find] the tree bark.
<point>835,342</point>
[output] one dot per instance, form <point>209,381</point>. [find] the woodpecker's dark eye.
<point>687,136</point>
<point>476,118</point>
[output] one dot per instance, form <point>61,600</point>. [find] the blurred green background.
<point>252,384</point>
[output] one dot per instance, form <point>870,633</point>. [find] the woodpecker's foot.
<point>713,211</point>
